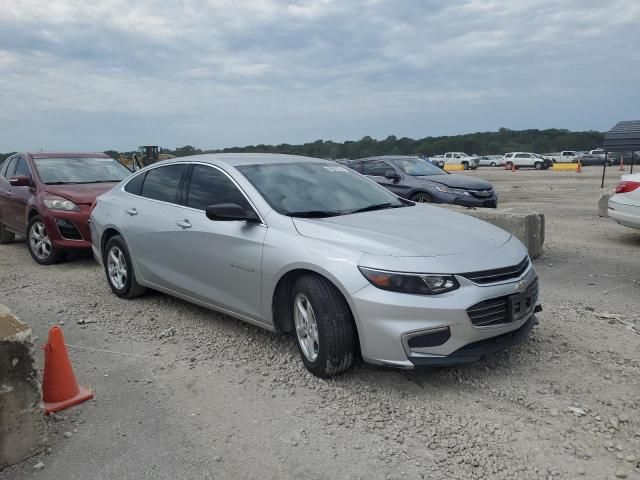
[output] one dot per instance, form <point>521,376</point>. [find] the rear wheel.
<point>5,235</point>
<point>324,328</point>
<point>421,197</point>
<point>39,244</point>
<point>119,269</point>
<point>537,166</point>
<point>493,164</point>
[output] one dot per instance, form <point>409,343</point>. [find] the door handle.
<point>184,224</point>
<point>132,211</point>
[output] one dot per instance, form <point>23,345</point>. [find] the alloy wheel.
<point>117,267</point>
<point>306,327</point>
<point>39,241</point>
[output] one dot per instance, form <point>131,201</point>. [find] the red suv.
<point>47,197</point>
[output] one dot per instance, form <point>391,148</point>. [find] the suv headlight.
<point>454,191</point>
<point>59,203</point>
<point>416,283</point>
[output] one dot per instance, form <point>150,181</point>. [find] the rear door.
<point>222,260</point>
<point>150,211</point>
<point>18,196</point>
<point>6,171</point>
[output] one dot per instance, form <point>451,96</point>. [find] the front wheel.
<point>324,328</point>
<point>465,165</point>
<point>39,243</point>
<point>537,166</point>
<point>509,165</point>
<point>119,269</point>
<point>493,164</point>
<point>421,197</point>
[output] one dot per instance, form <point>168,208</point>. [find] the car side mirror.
<point>229,212</point>
<point>20,181</point>
<point>392,175</point>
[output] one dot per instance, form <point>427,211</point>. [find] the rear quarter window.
<point>134,186</point>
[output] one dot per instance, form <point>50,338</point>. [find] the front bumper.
<point>467,200</point>
<point>387,320</point>
<point>59,223</point>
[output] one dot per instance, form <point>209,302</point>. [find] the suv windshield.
<point>80,170</point>
<point>418,168</point>
<point>317,189</point>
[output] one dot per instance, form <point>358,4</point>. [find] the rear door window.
<point>163,183</point>
<point>9,167</point>
<point>209,186</point>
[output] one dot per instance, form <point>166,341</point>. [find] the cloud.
<point>223,73</point>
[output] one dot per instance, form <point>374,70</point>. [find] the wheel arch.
<point>106,235</point>
<point>282,298</point>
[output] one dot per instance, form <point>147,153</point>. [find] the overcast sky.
<point>78,74</point>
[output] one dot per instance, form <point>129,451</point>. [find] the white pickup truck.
<point>566,156</point>
<point>461,158</point>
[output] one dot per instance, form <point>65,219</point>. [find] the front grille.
<point>68,229</point>
<point>481,193</point>
<point>504,309</point>
<point>497,274</point>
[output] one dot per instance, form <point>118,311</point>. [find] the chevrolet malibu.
<point>310,247</point>
<point>46,197</point>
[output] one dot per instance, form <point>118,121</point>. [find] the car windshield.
<point>309,189</point>
<point>418,168</point>
<point>537,155</point>
<point>80,170</point>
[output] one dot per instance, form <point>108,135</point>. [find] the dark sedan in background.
<point>421,181</point>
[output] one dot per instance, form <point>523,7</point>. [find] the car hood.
<point>417,231</point>
<point>84,193</point>
<point>456,181</point>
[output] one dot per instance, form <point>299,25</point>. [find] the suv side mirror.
<point>392,175</point>
<point>230,211</point>
<point>20,181</point>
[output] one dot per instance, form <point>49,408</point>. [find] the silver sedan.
<point>307,246</point>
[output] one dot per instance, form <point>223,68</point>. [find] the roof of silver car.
<point>236,159</point>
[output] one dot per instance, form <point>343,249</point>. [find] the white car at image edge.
<point>624,205</point>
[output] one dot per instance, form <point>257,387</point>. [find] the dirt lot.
<point>183,392</point>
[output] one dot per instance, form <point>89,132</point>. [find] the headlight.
<point>59,203</point>
<point>453,191</point>
<point>419,284</point>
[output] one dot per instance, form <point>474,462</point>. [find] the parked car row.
<point>291,244</point>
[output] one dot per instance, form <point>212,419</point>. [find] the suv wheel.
<point>5,235</point>
<point>324,328</point>
<point>493,164</point>
<point>119,269</point>
<point>465,165</point>
<point>39,243</point>
<point>537,166</point>
<point>509,165</point>
<point>421,197</point>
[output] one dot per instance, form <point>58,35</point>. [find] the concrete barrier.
<point>566,167</point>
<point>453,167</point>
<point>526,225</point>
<point>22,425</point>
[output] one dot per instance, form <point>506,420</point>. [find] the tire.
<point>509,165</point>
<point>39,243</point>
<point>323,326</point>
<point>6,236</point>
<point>493,164</point>
<point>119,269</point>
<point>537,166</point>
<point>421,197</point>
<point>465,165</point>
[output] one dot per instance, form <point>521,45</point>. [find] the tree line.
<point>480,143</point>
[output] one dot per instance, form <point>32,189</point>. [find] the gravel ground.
<point>183,392</point>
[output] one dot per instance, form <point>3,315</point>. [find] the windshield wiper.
<point>378,206</point>
<point>60,183</point>
<point>314,214</point>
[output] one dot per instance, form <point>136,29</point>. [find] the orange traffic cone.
<point>60,389</point>
<point>513,166</point>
